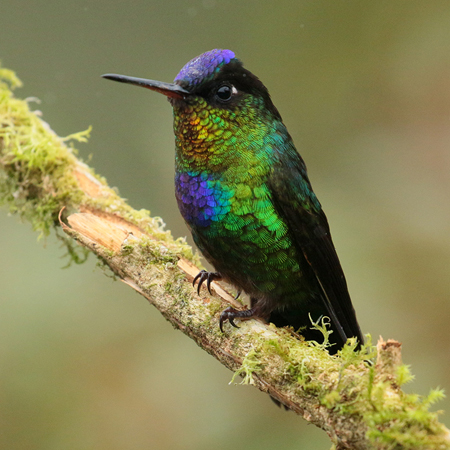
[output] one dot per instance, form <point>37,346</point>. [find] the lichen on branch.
<point>358,401</point>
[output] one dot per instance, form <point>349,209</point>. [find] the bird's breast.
<point>202,198</point>
<point>239,231</point>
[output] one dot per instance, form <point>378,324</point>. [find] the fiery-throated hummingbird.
<point>244,193</point>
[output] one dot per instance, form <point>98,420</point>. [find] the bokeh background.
<point>364,88</point>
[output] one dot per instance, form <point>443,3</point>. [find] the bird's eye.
<point>225,92</point>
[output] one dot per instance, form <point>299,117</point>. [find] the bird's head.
<point>217,76</point>
<point>215,99</point>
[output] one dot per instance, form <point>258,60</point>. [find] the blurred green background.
<point>364,88</point>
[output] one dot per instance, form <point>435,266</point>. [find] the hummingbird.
<point>244,193</point>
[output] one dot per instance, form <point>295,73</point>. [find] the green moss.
<point>250,365</point>
<point>404,375</point>
<point>35,181</point>
<point>126,250</point>
<point>211,309</point>
<point>8,79</point>
<point>349,384</point>
<point>331,399</point>
<point>322,325</point>
<point>154,253</point>
<point>405,422</point>
<point>76,254</point>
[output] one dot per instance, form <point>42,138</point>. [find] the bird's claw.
<point>203,276</point>
<point>228,314</point>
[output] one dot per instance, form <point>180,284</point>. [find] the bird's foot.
<point>230,314</point>
<point>203,276</point>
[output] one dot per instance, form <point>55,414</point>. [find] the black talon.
<point>201,277</point>
<point>196,277</point>
<point>209,277</point>
<point>230,314</point>
<point>208,284</point>
<point>227,314</point>
<point>238,295</point>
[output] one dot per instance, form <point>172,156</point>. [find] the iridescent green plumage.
<point>244,192</point>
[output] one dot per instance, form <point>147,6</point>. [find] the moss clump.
<point>349,384</point>
<point>35,181</point>
<point>405,422</point>
<point>76,254</point>
<point>250,364</point>
<point>153,252</point>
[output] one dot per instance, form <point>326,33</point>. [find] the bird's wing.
<point>297,204</point>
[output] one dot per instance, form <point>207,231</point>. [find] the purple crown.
<point>204,66</point>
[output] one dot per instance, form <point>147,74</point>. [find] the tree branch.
<point>360,405</point>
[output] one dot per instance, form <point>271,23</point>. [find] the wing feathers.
<point>297,204</point>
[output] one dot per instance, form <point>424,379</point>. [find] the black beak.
<point>168,89</point>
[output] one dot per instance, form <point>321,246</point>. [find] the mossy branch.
<point>360,405</point>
